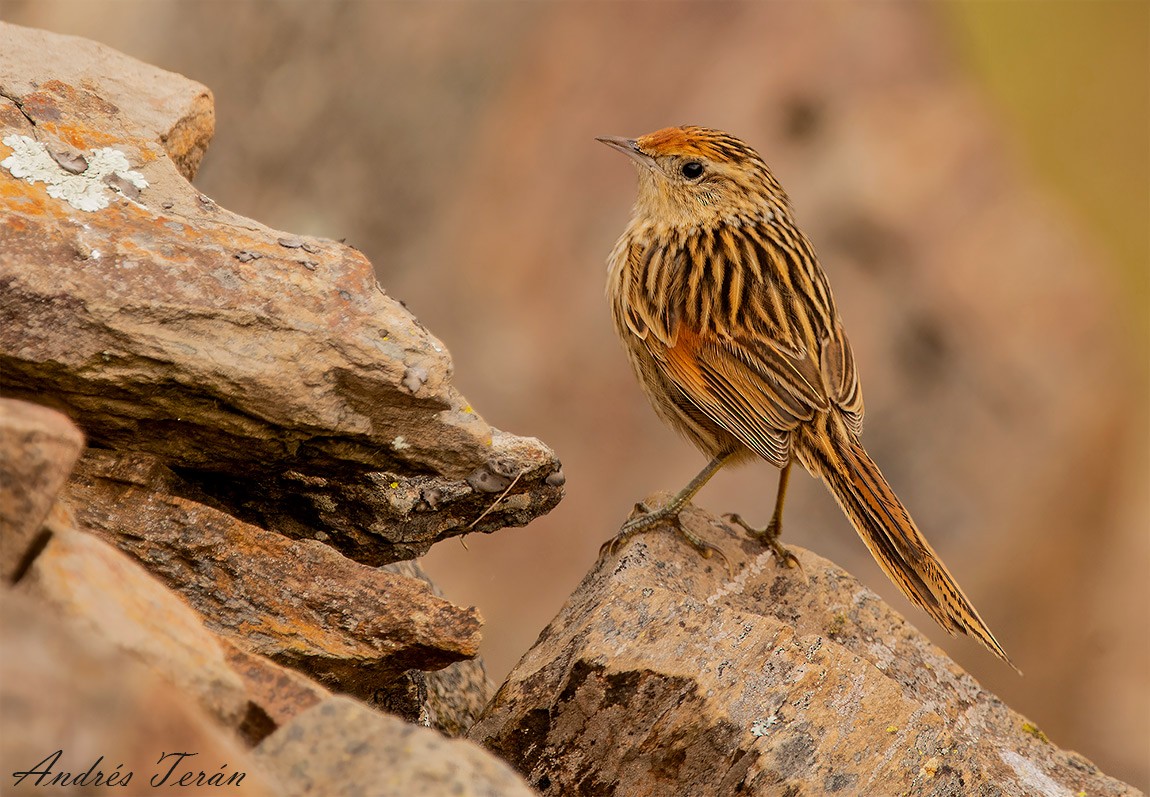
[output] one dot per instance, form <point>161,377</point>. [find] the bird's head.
<point>696,176</point>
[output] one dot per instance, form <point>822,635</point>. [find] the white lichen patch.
<point>1032,777</point>
<point>763,727</point>
<point>108,168</point>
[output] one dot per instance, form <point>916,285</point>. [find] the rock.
<point>456,696</point>
<point>405,697</point>
<point>665,675</point>
<point>451,698</point>
<point>343,747</point>
<point>104,710</point>
<point>103,593</point>
<point>42,69</point>
<point>275,693</point>
<point>405,514</point>
<point>271,371</point>
<point>38,447</point>
<point>352,627</point>
<point>228,375</point>
<point>448,700</point>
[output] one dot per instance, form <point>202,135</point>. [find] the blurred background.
<point>974,176</point>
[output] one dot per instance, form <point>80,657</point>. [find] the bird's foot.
<point>643,518</point>
<point>769,536</point>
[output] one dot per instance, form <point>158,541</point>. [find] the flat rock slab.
<point>343,747</point>
<point>300,603</point>
<point>665,675</point>
<point>268,366</point>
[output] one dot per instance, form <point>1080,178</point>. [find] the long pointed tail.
<point>829,450</point>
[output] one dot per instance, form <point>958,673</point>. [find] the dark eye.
<point>692,170</point>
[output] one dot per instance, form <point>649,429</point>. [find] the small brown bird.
<point>730,326</point>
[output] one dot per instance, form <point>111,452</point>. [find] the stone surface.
<point>38,447</point>
<point>37,67</point>
<point>352,627</point>
<point>664,674</point>
<point>342,747</point>
<point>103,593</point>
<point>451,698</point>
<point>275,694</point>
<point>387,516</point>
<point>62,689</point>
<point>272,369</point>
<point>456,696</point>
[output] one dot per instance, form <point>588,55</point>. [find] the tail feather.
<point>833,453</point>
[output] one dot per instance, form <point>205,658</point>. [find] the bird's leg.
<point>670,512</point>
<point>770,535</point>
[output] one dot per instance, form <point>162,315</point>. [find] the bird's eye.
<point>692,170</point>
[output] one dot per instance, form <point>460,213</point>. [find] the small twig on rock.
<point>495,503</point>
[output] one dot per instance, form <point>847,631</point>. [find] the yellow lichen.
<point>1032,729</point>
<point>837,625</point>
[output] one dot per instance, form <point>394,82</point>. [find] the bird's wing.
<point>837,363</point>
<point>760,368</point>
<point>756,391</point>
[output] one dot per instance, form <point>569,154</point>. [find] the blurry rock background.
<point>974,177</point>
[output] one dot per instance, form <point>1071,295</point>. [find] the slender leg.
<point>670,512</point>
<point>770,535</point>
<point>775,527</point>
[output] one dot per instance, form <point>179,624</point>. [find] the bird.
<point>729,324</point>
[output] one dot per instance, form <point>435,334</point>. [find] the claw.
<point>705,550</point>
<point>643,517</point>
<point>640,518</point>
<point>769,536</point>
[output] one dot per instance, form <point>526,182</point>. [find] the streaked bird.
<point>732,331</point>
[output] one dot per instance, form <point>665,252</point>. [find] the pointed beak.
<point>630,148</point>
